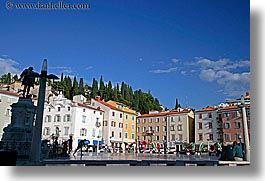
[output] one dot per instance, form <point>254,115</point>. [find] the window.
<point>47,131</point>
<point>144,120</point>
<point>132,126</point>
<point>126,135</point>
<point>237,125</point>
<point>165,128</point>
<point>84,110</point>
<point>226,115</point>
<point>173,137</point>
<point>157,120</point>
<point>49,109</point>
<point>57,118</point>
<point>150,120</point>
<point>164,137</point>
<point>58,108</point>
<point>126,125</point>
<point>133,136</point>
<point>113,113</point>
<point>112,134</point>
<point>137,129</point>
<point>138,121</point>
<point>210,136</point>
<point>210,125</point>
<point>120,135</point>
<point>105,123</point>
<point>133,118</point>
<point>120,125</point>
<point>200,136</point>
<point>172,128</point>
<point>68,118</point>
<point>209,115</point>
<point>93,132</point>
<point>144,129</point>
<point>126,116</point>
<point>120,115</point>
<point>150,128</point>
<point>227,137</point>
<point>200,116</point>
<point>180,137</point>
<point>68,108</point>
<point>200,125</point>
<point>83,132</point>
<point>179,127</point>
<point>157,138</point>
<point>157,128</point>
<point>66,130</point>
<point>179,119</point>
<point>83,119</point>
<point>113,123</point>
<point>8,112</point>
<point>226,125</point>
<point>172,119</point>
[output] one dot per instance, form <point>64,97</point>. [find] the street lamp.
<point>245,129</point>
<point>36,140</point>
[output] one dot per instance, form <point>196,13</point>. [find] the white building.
<point>7,98</point>
<point>64,118</point>
<point>206,126</point>
<point>112,124</point>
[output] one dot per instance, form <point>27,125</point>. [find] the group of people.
<point>232,153</point>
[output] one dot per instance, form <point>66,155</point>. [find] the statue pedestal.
<point>18,134</point>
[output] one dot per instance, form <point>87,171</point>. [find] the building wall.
<point>6,100</point>
<point>74,117</point>
<point>129,121</point>
<point>155,122</point>
<point>206,125</point>
<point>232,123</point>
<point>113,123</point>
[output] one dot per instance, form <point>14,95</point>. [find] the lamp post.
<point>245,129</point>
<point>36,140</point>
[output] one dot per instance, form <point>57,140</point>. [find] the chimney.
<point>97,98</point>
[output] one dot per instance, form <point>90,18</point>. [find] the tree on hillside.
<point>94,91</point>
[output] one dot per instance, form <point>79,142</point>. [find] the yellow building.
<point>129,122</point>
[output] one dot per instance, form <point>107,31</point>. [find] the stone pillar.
<point>18,134</point>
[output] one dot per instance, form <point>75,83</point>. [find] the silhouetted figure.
<point>70,144</point>
<point>227,153</point>
<point>80,146</point>
<point>28,79</point>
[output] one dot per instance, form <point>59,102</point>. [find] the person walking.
<point>80,146</point>
<point>237,152</point>
<point>158,147</point>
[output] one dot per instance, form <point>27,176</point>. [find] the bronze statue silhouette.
<point>28,80</point>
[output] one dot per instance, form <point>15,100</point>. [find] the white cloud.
<point>89,67</point>
<point>8,65</point>
<point>208,75</point>
<point>64,69</point>
<point>159,71</point>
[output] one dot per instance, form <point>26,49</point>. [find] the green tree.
<point>94,91</point>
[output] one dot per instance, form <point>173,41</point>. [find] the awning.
<point>95,142</point>
<point>86,142</point>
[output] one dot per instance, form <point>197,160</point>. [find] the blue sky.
<point>196,51</point>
